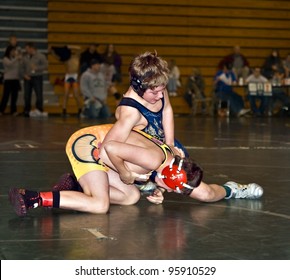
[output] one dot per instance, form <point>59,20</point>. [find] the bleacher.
<point>194,33</point>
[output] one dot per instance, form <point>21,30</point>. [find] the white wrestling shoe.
<point>250,191</point>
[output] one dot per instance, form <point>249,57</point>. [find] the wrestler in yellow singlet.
<point>83,146</point>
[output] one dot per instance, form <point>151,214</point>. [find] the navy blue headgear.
<point>137,82</point>
<point>137,85</point>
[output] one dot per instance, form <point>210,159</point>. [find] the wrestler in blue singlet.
<point>154,120</point>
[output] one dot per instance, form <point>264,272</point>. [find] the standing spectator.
<point>272,64</point>
<point>95,91</point>
<point>34,64</point>
<point>195,87</point>
<point>223,80</point>
<point>112,57</point>
<point>87,56</point>
<point>257,78</point>
<point>12,66</point>
<point>240,64</point>
<point>14,43</point>
<point>70,56</point>
<point>174,76</point>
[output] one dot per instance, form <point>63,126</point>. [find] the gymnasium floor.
<point>243,150</point>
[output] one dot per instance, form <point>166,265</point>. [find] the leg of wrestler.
<point>121,193</point>
<point>95,198</point>
<point>100,190</point>
<point>213,192</point>
<point>208,192</point>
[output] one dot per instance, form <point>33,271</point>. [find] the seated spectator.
<point>279,94</point>
<point>286,65</point>
<point>112,57</point>
<point>240,64</point>
<point>223,80</point>
<point>195,87</point>
<point>257,77</point>
<point>174,76</point>
<point>272,63</point>
<point>95,91</point>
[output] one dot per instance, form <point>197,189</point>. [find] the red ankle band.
<point>47,199</point>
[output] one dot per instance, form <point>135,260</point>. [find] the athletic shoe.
<point>36,114</point>
<point>250,191</point>
<point>22,200</point>
<point>67,182</point>
<point>243,112</point>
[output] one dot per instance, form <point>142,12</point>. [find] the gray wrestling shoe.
<point>250,191</point>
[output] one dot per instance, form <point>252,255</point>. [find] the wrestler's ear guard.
<point>137,85</point>
<point>175,177</point>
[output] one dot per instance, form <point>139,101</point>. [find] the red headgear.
<point>175,177</point>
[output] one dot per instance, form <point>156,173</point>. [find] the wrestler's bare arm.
<point>168,120</point>
<point>127,119</point>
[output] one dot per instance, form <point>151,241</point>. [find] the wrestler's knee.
<point>100,207</point>
<point>133,197</point>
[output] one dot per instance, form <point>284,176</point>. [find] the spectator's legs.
<point>37,82</point>
<point>5,97</point>
<point>236,102</point>
<point>27,96</point>
<point>14,96</point>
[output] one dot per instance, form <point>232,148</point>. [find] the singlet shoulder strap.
<point>128,101</point>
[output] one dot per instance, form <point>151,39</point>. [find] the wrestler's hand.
<point>127,177</point>
<point>177,151</point>
<point>157,197</point>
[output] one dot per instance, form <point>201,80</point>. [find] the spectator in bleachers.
<point>279,94</point>
<point>223,81</point>
<point>286,65</point>
<point>70,56</point>
<point>272,63</point>
<point>259,103</point>
<point>12,74</point>
<point>195,87</point>
<point>95,91</point>
<point>87,56</point>
<point>112,57</point>
<point>34,65</point>
<point>240,64</point>
<point>174,78</point>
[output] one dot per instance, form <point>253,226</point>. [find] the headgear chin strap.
<point>175,178</point>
